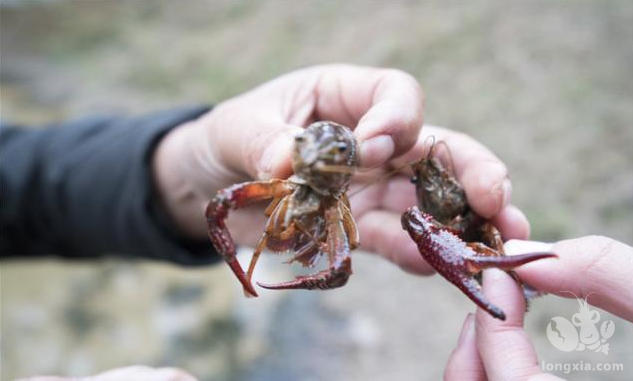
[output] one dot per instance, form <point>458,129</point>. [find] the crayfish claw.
<point>323,280</point>
<point>472,289</point>
<point>249,290</point>
<point>507,262</point>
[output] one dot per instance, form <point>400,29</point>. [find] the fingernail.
<point>376,151</point>
<point>467,329</point>
<point>517,247</point>
<point>506,188</point>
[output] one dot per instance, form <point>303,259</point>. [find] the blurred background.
<point>547,85</point>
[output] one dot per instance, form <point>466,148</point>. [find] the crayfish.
<point>309,213</point>
<point>310,216</point>
<point>452,238</point>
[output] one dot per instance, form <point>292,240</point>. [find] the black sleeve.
<point>84,188</point>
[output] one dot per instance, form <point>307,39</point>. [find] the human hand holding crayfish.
<point>251,136</point>
<point>490,349</point>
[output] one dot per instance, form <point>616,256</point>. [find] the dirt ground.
<point>547,85</point>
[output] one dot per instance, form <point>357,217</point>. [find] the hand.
<point>501,350</point>
<point>250,137</point>
<point>131,373</point>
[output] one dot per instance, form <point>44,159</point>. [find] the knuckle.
<point>507,327</point>
<point>458,140</point>
<point>599,248</point>
<point>400,75</point>
<point>592,246</point>
<point>586,254</point>
<point>599,242</point>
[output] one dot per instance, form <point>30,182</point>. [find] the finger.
<point>545,377</point>
<point>385,106</point>
<point>48,378</point>
<point>505,348</point>
<point>394,194</point>
<point>382,233</point>
<point>261,149</point>
<point>465,363</point>
<point>143,373</point>
<point>594,265</point>
<point>512,223</point>
<point>398,194</point>
<point>267,153</point>
<point>483,176</point>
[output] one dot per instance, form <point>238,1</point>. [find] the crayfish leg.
<point>235,197</point>
<point>323,280</point>
<point>308,255</point>
<point>274,215</point>
<point>261,244</point>
<point>351,229</point>
<point>491,236</point>
<point>249,290</point>
<point>339,256</point>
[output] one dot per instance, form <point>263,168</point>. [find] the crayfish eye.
<point>299,139</point>
<point>342,147</point>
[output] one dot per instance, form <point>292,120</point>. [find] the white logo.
<point>564,336</point>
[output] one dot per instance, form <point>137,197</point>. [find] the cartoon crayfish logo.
<point>563,334</point>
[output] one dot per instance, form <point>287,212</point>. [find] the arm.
<point>104,195</point>
<point>85,188</point>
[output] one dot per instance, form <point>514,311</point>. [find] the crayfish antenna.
<point>429,154</point>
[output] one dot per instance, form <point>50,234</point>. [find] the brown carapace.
<point>309,214</point>
<point>452,238</point>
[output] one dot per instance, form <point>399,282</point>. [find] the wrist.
<point>178,196</point>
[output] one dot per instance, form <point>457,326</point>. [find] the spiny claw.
<point>290,285</point>
<point>472,289</point>
<point>458,261</point>
<point>249,290</point>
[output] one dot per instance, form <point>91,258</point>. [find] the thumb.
<point>270,154</point>
<point>258,144</point>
